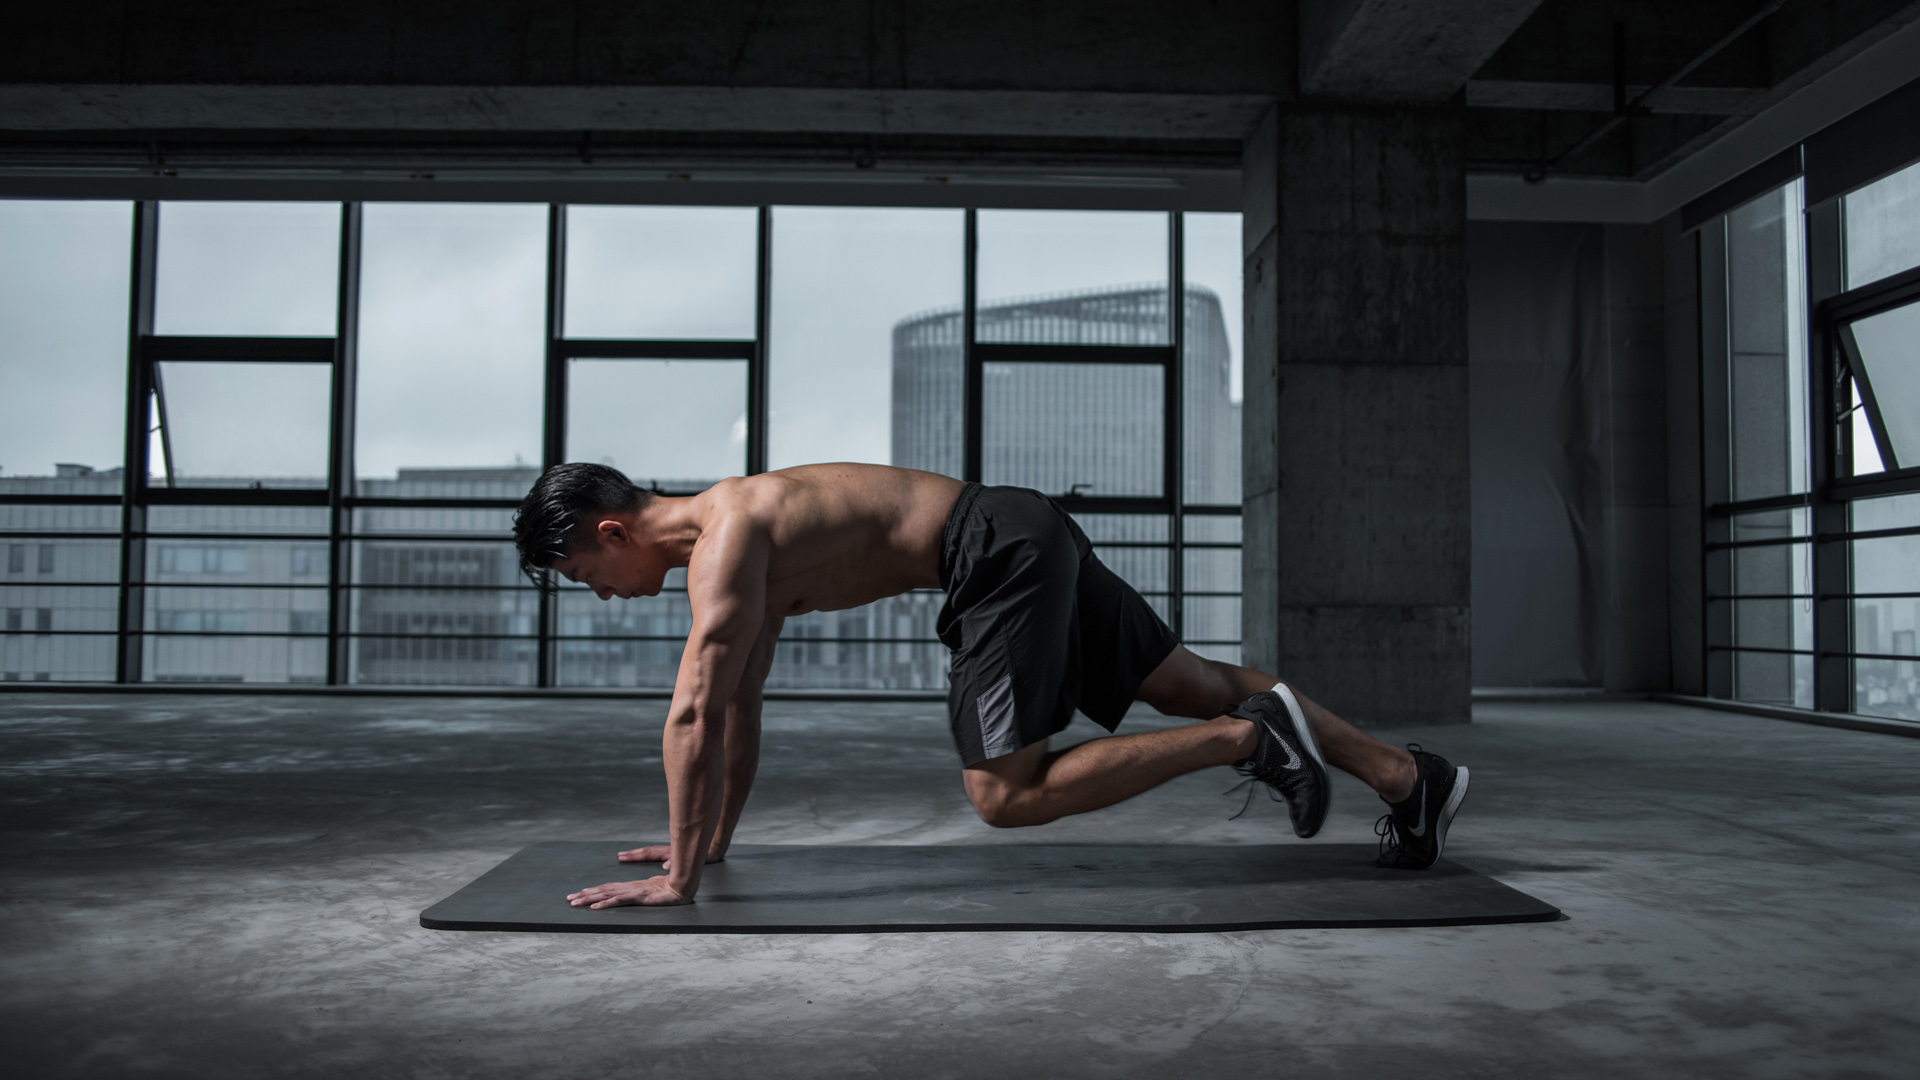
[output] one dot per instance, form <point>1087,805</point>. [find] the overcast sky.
<point>453,318</point>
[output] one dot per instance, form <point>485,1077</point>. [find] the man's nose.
<point>603,592</point>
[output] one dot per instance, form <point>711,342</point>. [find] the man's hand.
<point>653,892</point>
<point>659,853</point>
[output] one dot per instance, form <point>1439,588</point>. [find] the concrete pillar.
<point>1635,465</point>
<point>1686,634</point>
<point>1357,537</point>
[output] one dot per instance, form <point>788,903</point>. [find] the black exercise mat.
<point>764,888</point>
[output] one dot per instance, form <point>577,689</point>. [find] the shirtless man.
<point>1038,628</point>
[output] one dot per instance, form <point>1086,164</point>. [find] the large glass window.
<point>1886,608</point>
<point>1212,363</point>
<point>241,424</point>
<point>403,572</point>
<point>672,425</point>
<point>1883,227</point>
<point>247,269</point>
<point>1029,260</point>
<point>661,272</point>
<point>854,375</point>
<point>1766,331</point>
<point>452,349</point>
<point>64,270</point>
<point>1075,429</point>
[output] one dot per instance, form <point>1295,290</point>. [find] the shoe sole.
<point>1305,735</point>
<point>1450,808</point>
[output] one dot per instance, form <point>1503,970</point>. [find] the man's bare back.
<point>835,536</point>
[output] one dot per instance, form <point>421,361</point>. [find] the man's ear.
<point>611,530</point>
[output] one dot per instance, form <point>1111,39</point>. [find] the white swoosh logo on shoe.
<point>1293,759</point>
<point>1421,828</point>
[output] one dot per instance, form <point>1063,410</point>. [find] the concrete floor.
<point>227,886</point>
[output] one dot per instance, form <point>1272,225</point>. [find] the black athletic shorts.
<point>1038,627</point>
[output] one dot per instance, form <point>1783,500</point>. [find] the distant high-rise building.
<point>1094,429</point>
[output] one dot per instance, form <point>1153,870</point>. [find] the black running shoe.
<point>1413,831</point>
<point>1285,757</point>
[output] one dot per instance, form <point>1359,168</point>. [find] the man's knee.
<point>1001,791</point>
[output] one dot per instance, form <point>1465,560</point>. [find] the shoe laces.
<point>1388,830</point>
<point>1246,769</point>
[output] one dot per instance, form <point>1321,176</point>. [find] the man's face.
<point>619,566</point>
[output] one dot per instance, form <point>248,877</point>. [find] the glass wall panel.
<point>452,349</point>
<point>622,642</point>
<point>889,644</point>
<point>248,269</point>
<point>1766,300</point>
<point>441,613</point>
<point>1773,678</point>
<point>64,275</point>
<point>1072,276</point>
<point>853,375</point>
<point>376,521</point>
<point>1889,346</point>
<point>55,595</point>
<point>48,518</point>
<point>294,520</point>
<point>672,272</point>
<point>1212,389</point>
<point>231,424</point>
<point>184,658</point>
<point>1084,429</point>
<point>1883,227</point>
<point>679,425</point>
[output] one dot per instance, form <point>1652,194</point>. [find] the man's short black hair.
<point>557,517</point>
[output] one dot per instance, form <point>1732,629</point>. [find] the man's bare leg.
<point>1035,786</point>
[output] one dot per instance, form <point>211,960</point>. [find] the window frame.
<point>342,539</point>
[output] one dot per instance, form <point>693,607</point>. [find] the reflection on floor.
<point>227,886</point>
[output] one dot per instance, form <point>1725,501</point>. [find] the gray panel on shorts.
<point>998,735</point>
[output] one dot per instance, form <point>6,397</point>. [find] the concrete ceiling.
<point>128,83</point>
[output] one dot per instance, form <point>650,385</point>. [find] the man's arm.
<point>743,749</point>
<point>727,587</point>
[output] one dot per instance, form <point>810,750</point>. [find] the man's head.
<point>571,518</point>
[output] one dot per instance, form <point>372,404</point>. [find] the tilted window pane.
<point>252,269</point>
<point>452,349</point>
<point>1086,429</point>
<point>1212,389</point>
<point>1864,448</point>
<point>1883,227</point>
<point>241,424</point>
<point>677,424</point>
<point>672,272</point>
<point>1029,261</point>
<point>1890,351</point>
<point>1766,298</point>
<point>850,377</point>
<point>64,271</point>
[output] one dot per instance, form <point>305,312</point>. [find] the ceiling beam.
<point>1400,50</point>
<point>1599,97</point>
